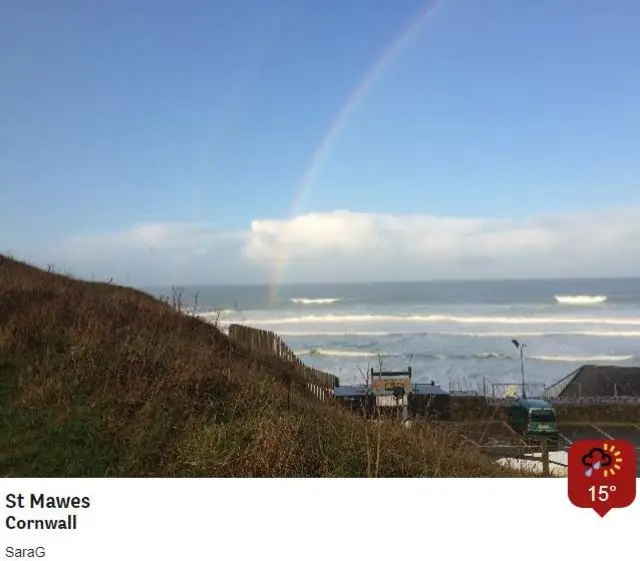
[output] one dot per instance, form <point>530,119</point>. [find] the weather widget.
<point>602,474</point>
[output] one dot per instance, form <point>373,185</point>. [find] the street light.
<point>521,346</point>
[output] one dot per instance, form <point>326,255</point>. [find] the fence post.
<point>545,458</point>
<point>320,384</point>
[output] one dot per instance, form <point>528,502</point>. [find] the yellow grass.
<point>103,380</point>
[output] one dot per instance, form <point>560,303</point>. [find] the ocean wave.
<point>336,333</point>
<point>583,359</point>
<point>503,334</point>
<point>473,356</point>
<point>458,356</point>
<point>580,299</point>
<point>223,322</point>
<point>212,314</point>
<point>315,300</point>
<point>343,353</point>
<point>488,334</point>
<point>441,318</point>
<point>493,356</point>
<point>352,353</point>
<point>488,355</point>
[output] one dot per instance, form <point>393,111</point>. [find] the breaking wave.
<point>338,333</point>
<point>349,353</point>
<point>315,300</point>
<point>580,300</point>
<point>440,318</point>
<point>587,333</point>
<point>343,353</point>
<point>480,356</point>
<point>214,317</point>
<point>488,334</point>
<point>215,314</point>
<point>585,359</point>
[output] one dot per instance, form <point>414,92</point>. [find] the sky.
<point>206,142</point>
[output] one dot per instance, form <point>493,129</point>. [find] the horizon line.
<point>378,282</point>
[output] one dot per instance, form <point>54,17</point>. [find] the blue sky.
<point>135,123</point>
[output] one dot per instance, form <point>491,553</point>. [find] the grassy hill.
<point>103,380</point>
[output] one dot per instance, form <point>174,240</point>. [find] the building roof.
<point>599,381</point>
<point>351,391</point>
<point>428,389</point>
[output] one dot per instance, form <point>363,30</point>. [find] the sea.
<point>459,335</point>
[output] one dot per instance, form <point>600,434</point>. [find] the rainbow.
<point>389,54</point>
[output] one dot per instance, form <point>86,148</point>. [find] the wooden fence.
<point>320,383</point>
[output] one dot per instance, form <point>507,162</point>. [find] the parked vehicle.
<point>534,419</point>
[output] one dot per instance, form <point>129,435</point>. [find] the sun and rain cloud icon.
<point>606,458</point>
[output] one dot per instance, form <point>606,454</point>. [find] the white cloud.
<point>156,254</point>
<point>165,237</point>
<point>345,245</point>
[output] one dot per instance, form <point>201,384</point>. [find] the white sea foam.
<point>475,356</point>
<point>490,355</point>
<point>347,353</point>
<point>584,359</point>
<point>441,318</point>
<point>488,334</point>
<point>342,353</point>
<point>215,314</point>
<point>223,320</point>
<point>503,334</point>
<point>315,300</point>
<point>580,299</point>
<point>335,333</point>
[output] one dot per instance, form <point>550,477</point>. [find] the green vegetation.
<point>101,380</point>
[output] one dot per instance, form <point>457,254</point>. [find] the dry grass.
<point>102,380</point>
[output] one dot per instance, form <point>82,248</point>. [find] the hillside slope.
<point>102,380</point>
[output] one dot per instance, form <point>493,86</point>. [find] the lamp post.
<point>521,347</point>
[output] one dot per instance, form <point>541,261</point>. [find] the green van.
<point>534,418</point>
